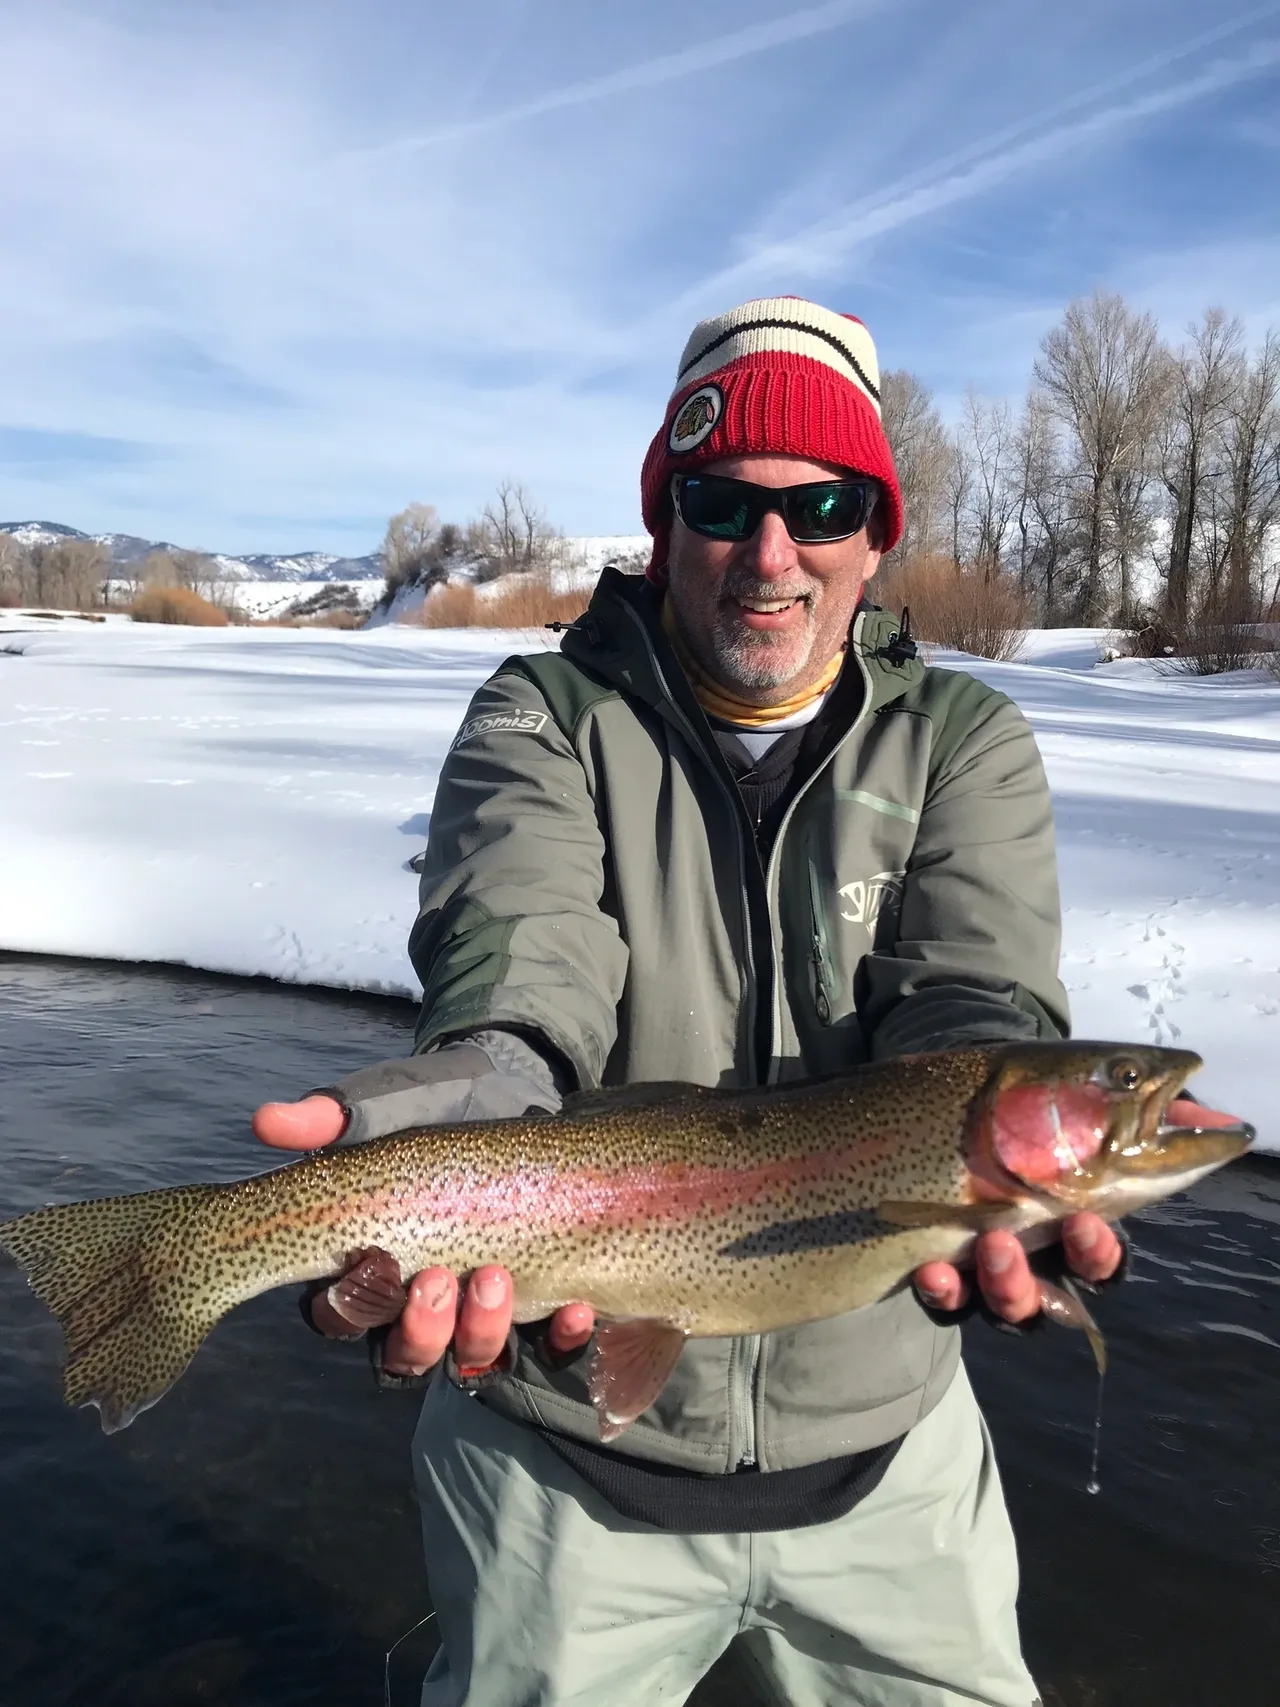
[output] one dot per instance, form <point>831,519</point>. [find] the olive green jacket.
<point>592,877</point>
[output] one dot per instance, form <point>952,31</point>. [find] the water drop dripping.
<point>1094,1486</point>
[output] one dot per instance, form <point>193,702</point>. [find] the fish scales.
<point>678,1208</point>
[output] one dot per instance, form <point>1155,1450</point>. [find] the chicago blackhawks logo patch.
<point>696,419</point>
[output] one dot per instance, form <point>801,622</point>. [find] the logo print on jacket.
<point>520,722</point>
<point>696,418</point>
<point>866,897</point>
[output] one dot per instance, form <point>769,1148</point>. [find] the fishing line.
<point>386,1663</point>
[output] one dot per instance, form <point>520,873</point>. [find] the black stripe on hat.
<point>781,326</point>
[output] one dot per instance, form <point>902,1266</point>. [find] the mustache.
<point>747,587</point>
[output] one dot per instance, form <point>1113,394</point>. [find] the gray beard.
<point>754,660</point>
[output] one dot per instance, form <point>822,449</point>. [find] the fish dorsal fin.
<point>579,1105</point>
<point>978,1217</point>
<point>629,1368</point>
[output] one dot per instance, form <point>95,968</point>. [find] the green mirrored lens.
<point>826,512</point>
<point>716,507</point>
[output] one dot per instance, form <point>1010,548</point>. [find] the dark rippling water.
<point>252,1541</point>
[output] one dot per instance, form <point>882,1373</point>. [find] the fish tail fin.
<point>114,1275</point>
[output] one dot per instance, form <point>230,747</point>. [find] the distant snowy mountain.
<point>128,548</point>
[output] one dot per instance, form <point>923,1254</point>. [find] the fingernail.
<point>436,1294</point>
<point>929,1295</point>
<point>998,1261</point>
<point>490,1291</point>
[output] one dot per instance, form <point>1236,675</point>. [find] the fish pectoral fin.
<point>1064,1305</point>
<point>977,1217</point>
<point>629,1368</point>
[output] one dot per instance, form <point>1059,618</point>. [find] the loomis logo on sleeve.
<point>867,897</point>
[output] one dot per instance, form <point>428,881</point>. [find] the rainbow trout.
<point>671,1209</point>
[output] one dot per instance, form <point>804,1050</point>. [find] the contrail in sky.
<point>723,50</point>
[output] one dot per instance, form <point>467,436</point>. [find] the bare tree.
<point>196,571</point>
<point>1251,464</point>
<point>513,535</point>
<point>407,545</point>
<point>918,440</point>
<point>1105,374</point>
<point>1202,376</point>
<point>69,574</point>
<point>957,484</point>
<point>14,571</point>
<point>1041,513</point>
<point>986,430</point>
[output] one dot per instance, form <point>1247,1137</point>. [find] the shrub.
<point>176,604</point>
<point>522,601</point>
<point>964,609</point>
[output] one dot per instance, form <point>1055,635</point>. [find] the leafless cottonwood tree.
<point>513,535</point>
<point>1105,374</point>
<point>918,438</point>
<point>68,574</point>
<point>1251,464</point>
<point>986,431</point>
<point>407,545</point>
<point>1203,375</point>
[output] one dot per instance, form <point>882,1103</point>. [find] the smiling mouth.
<point>768,607</point>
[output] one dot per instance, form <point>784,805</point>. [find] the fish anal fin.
<point>977,1217</point>
<point>629,1368</point>
<point>1064,1305</point>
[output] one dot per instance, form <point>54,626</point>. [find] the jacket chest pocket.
<point>854,864</point>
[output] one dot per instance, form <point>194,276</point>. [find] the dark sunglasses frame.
<point>757,501</point>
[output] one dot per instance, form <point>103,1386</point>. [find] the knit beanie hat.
<point>780,375</point>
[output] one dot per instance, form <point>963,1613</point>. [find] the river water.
<point>252,1541</point>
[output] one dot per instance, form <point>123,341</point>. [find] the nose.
<point>771,550</point>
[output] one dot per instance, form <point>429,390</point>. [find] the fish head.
<point>1098,1126</point>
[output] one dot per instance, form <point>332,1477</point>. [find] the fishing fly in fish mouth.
<point>673,1212</point>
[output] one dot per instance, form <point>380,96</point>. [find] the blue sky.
<point>273,268</point>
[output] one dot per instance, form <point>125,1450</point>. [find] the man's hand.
<point>433,1315</point>
<point>1004,1275</point>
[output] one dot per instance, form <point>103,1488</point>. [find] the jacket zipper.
<point>748,1454</point>
<point>744,1368</point>
<point>822,980</point>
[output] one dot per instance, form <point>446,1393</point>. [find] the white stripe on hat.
<point>783,323</point>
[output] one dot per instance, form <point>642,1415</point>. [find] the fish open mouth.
<point>1183,1117</point>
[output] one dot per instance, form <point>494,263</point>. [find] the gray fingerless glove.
<point>491,1075</point>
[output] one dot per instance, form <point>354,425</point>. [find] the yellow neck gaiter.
<point>717,701</point>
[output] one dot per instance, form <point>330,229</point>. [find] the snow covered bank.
<point>246,801</point>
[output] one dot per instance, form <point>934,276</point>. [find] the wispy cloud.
<point>647,74</point>
<point>1001,155</point>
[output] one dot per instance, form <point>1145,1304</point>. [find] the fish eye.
<point>1125,1073</point>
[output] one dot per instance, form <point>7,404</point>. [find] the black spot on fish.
<point>813,1233</point>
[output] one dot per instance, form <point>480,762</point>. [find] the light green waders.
<point>547,1598</point>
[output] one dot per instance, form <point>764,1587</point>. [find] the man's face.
<point>765,616</point>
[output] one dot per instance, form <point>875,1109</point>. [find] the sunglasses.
<point>814,514</point>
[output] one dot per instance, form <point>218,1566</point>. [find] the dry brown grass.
<point>177,605</point>
<point>524,601</point>
<point>958,608</point>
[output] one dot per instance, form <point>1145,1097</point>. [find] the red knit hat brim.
<point>783,403</point>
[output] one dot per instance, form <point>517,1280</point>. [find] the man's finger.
<point>485,1318</point>
<point>1005,1278</point>
<point>304,1125</point>
<point>941,1286</point>
<point>571,1327</point>
<point>1093,1250</point>
<point>421,1337</point>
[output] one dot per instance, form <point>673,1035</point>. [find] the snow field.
<point>246,801</point>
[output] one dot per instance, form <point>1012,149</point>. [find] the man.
<point>735,833</point>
